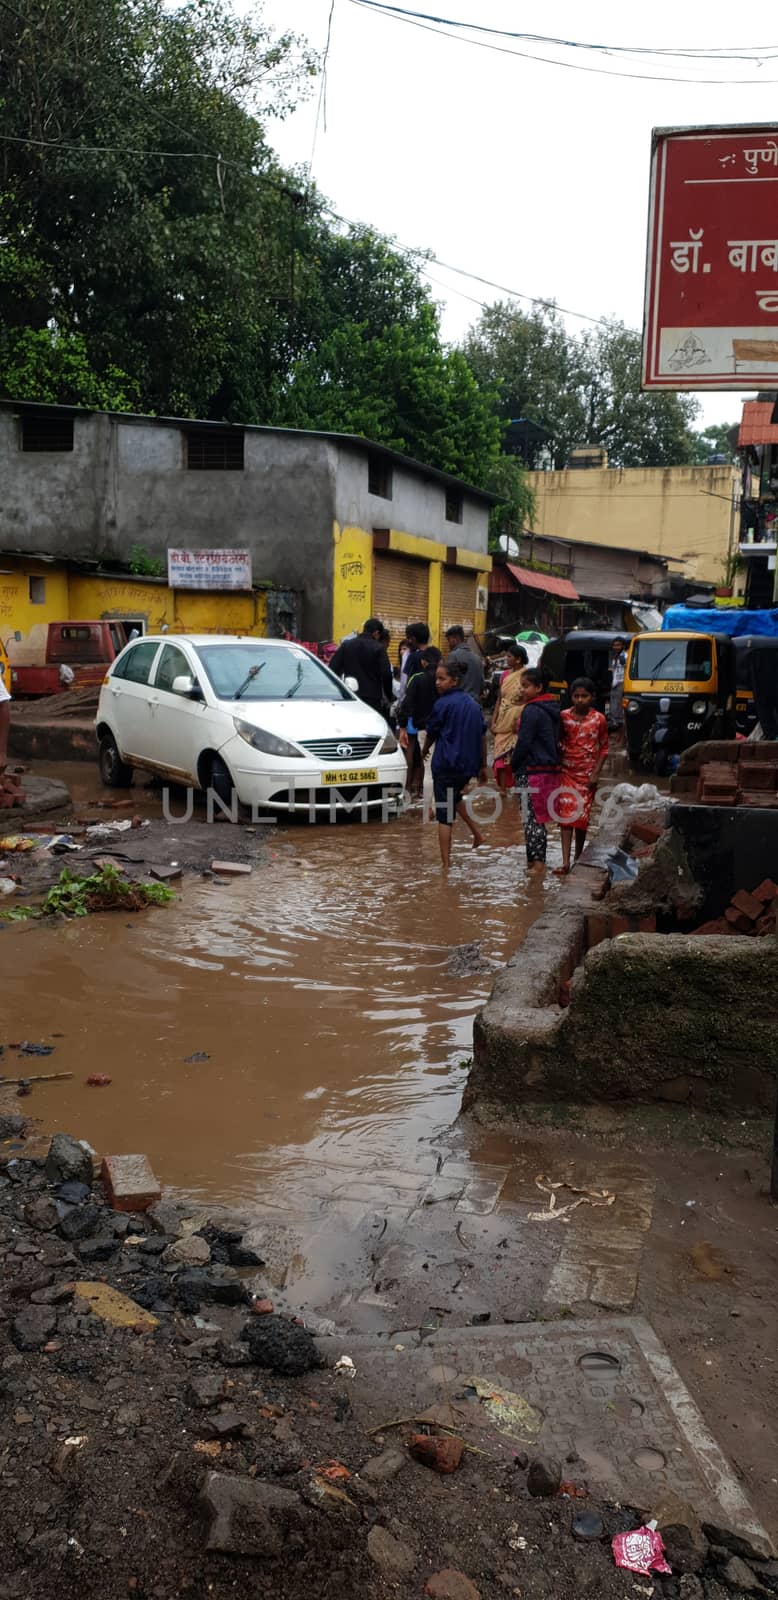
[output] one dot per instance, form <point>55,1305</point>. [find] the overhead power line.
<point>751,53</point>
<point>410,18</point>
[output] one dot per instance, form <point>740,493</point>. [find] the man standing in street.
<point>364,658</point>
<point>471,670</point>
<point>455,726</point>
<point>5,723</point>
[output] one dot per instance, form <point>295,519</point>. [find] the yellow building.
<point>687,514</point>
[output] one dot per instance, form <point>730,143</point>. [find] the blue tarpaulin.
<point>730,620</point>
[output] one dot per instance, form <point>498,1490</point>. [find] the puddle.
<point>319,991</point>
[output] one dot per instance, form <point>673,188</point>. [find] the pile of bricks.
<point>753,913</point>
<point>11,792</point>
<point>749,778</point>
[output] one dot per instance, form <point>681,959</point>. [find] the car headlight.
<point>389,745</point>
<point>699,707</point>
<point>268,743</point>
<point>632,707</point>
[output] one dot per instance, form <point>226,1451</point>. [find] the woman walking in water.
<point>505,719</point>
<point>583,748</point>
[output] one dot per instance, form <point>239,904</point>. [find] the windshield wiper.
<point>249,678</point>
<point>296,685</point>
<point>655,673</point>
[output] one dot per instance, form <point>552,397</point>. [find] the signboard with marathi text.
<point>711,316</point>
<point>209,569</point>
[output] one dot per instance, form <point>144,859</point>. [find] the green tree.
<point>535,366</point>
<point>508,478</point>
<point>718,439</point>
<point>638,428</point>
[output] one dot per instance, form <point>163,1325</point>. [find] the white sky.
<point>534,176</point>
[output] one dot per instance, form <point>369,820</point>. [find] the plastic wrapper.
<point>641,1551</point>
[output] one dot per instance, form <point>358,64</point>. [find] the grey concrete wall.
<point>126,483</point>
<point>57,503</point>
<point>418,505</point>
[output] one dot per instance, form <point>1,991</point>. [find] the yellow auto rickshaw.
<point>679,688</point>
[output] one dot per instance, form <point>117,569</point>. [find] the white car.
<point>262,719</point>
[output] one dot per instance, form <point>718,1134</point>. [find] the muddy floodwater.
<point>320,990</point>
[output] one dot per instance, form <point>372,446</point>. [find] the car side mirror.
<point>187,686</point>
<point>352,684</point>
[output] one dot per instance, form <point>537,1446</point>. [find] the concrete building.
<point>357,528</point>
<point>756,577</point>
<point>555,584</point>
<point>686,514</point>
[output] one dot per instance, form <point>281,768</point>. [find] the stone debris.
<point>544,1477</point>
<point>68,1161</point>
<point>380,1469</point>
<point>191,1252</point>
<point>251,1518</point>
<point>685,1543</point>
<point>393,1558</point>
<point>448,1584</point>
<point>281,1344</point>
<point>442,1452</point>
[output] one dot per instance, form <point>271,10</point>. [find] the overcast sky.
<point>532,175</point>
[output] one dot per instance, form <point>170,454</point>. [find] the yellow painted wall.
<point>352,575</point>
<point>73,597</point>
<point>683,513</point>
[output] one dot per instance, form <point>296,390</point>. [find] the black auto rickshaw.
<point>679,688</point>
<point>580,654</point>
<point>756,675</point>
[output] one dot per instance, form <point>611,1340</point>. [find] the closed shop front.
<point>400,591</point>
<point>459,598</point>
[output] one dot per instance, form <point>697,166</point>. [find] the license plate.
<point>353,775</point>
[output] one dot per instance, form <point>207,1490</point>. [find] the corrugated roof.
<point>756,426</point>
<point>561,587</point>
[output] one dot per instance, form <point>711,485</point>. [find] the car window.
<point>172,664</point>
<point>136,665</point>
<point>262,673</point>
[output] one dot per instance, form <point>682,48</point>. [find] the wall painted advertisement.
<point>711,312</point>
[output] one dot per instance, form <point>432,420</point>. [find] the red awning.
<point>561,587</point>
<point>756,427</point>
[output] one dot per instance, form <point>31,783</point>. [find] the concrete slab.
<point>607,1392</point>
<point>42,795</point>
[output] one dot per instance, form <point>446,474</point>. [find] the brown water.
<point>319,989</point>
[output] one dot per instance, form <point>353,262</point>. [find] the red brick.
<point>719,797</point>
<point>748,904</point>
<point>718,925</point>
<point>130,1183</point>
<point>646,924</point>
<point>619,925</point>
<point>758,800</point>
<point>766,924</point>
<point>765,891</point>
<point>598,927</point>
<point>738,921</point>
<point>759,775</point>
<point>647,832</point>
<point>759,750</point>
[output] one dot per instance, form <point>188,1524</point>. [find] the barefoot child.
<point>584,746</point>
<point>535,762</point>
<point>456,727</point>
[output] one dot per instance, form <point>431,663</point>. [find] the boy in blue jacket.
<point>455,726</point>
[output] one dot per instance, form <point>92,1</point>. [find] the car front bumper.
<point>297,787</point>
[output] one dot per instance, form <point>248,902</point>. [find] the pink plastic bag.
<point>641,1551</point>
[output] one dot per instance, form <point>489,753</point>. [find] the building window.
<point>214,450</point>
<point>379,477</point>
<point>454,504</point>
<point>37,591</point>
<point>39,432</point>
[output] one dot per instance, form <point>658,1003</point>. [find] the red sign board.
<point>711,319</point>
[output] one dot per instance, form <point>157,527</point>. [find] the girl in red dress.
<point>583,748</point>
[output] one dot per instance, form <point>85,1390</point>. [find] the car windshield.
<point>672,660</point>
<point>252,671</point>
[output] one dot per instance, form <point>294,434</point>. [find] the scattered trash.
<point>640,1551</point>
<point>207,1447</point>
<point>516,1540</point>
<point>17,843</point>
<point>588,1525</point>
<point>333,1471</point>
<point>345,1367</point>
<point>77,1440</point>
<point>555,1213</point>
<point>573,1491</point>
<point>98,1080</point>
<point>197,1056</point>
<point>7,885</point>
<point>441,1452</point>
<point>29,1049</point>
<point>622,868</point>
<point>511,1414</point>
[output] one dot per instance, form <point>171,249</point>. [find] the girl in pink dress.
<point>583,748</point>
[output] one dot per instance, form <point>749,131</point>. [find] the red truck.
<point>77,653</point>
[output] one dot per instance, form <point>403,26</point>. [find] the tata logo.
<point>345,750</point>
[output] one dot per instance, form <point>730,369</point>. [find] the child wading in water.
<point>455,726</point>
<point>583,748</point>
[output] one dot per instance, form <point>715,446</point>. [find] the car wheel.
<point>221,782</point>
<point>114,772</point>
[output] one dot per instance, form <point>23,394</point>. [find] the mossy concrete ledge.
<point>650,1017</point>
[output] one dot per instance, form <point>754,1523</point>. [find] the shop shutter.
<point>400,591</point>
<point>459,594</point>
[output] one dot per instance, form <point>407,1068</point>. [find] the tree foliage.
<point>583,389</point>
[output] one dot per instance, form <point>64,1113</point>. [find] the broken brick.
<point>130,1183</point>
<point>646,832</point>
<point>748,904</point>
<point>760,775</point>
<point>716,926</point>
<point>738,921</point>
<point>765,891</point>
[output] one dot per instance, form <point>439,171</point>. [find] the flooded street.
<point>319,989</point>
